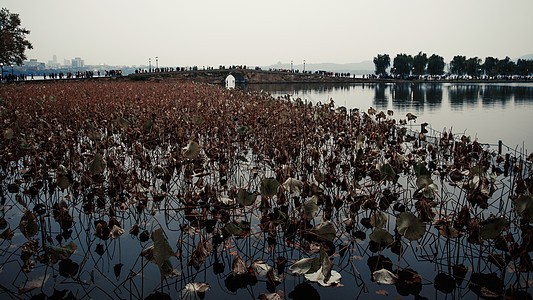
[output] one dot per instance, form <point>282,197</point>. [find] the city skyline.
<point>212,33</point>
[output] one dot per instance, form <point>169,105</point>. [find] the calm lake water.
<point>488,112</point>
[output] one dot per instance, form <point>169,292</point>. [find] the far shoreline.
<point>264,77</point>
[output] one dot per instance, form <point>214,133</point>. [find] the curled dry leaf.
<point>239,266</point>
<point>311,208</point>
<point>319,277</point>
<point>191,151</point>
<point>293,186</point>
<point>261,268</point>
<point>384,276</point>
<point>194,290</point>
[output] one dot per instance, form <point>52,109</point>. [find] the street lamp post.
<point>157,63</point>
<point>149,64</point>
<point>304,65</point>
<point>12,69</point>
<point>291,65</point>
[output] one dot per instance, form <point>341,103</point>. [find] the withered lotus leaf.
<point>381,236</point>
<point>493,227</point>
<point>97,165</point>
<point>63,182</point>
<point>269,187</point>
<point>293,186</point>
<point>194,290</point>
<point>387,172</point>
<point>378,220</point>
<point>524,206</point>
<point>319,278</point>
<point>8,134</point>
<point>306,265</point>
<point>327,265</point>
<point>260,268</point>
<point>239,266</point>
<point>191,151</point>
<point>310,208</point>
<point>409,226</point>
<point>123,122</point>
<point>326,231</point>
<point>58,253</point>
<point>384,276</point>
<point>162,253</point>
<point>200,254</point>
<point>244,198</point>
<point>28,225</point>
<point>7,234</point>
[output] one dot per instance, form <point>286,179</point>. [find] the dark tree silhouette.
<point>419,64</point>
<point>489,66</point>
<point>435,65</point>
<point>13,41</point>
<point>382,62</point>
<point>473,66</point>
<point>403,64</point>
<point>457,65</point>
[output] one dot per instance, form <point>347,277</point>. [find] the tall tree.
<point>457,65</point>
<point>489,66</point>
<point>382,62</point>
<point>420,62</point>
<point>473,66</point>
<point>506,66</point>
<point>13,41</point>
<point>435,65</point>
<point>524,67</point>
<point>402,65</point>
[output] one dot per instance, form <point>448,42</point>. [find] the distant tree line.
<point>406,65</point>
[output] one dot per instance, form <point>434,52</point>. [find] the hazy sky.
<point>248,32</point>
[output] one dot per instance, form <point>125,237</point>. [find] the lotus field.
<point>131,190</point>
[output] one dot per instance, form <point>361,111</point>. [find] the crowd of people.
<point>60,75</point>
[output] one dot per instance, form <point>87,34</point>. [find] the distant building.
<point>234,80</point>
<point>77,62</point>
<point>53,64</point>
<point>33,65</point>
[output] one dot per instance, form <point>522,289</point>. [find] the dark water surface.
<point>442,263</point>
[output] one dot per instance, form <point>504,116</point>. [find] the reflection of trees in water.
<point>523,93</point>
<point>434,96</point>
<point>401,91</point>
<point>463,94</point>
<point>418,94</point>
<point>381,101</point>
<point>493,94</point>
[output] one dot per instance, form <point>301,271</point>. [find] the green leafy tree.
<point>457,65</point>
<point>473,66</point>
<point>435,65</point>
<point>382,62</point>
<point>13,41</point>
<point>420,62</point>
<point>489,66</point>
<point>402,65</point>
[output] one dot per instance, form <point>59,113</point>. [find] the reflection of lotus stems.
<point>264,179</point>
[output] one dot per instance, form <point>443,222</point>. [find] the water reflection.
<point>465,107</point>
<point>466,95</point>
<point>381,100</point>
<point>434,95</point>
<point>409,96</point>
